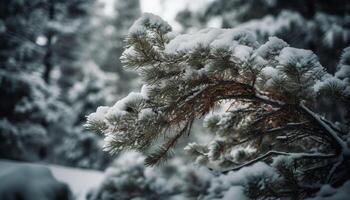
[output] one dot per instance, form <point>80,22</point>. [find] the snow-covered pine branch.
<point>262,92</point>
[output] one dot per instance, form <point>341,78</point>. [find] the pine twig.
<point>271,153</point>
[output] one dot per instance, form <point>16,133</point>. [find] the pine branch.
<point>277,130</point>
<point>254,97</point>
<point>334,169</point>
<point>288,126</point>
<point>158,157</point>
<point>161,154</point>
<point>339,145</point>
<point>332,125</point>
<point>272,153</point>
<point>265,117</point>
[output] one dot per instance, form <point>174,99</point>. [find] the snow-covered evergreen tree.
<point>28,104</point>
<point>128,178</point>
<point>256,98</point>
<point>44,73</point>
<point>108,33</point>
<point>80,81</point>
<point>75,146</point>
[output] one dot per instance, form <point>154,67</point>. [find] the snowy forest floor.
<point>80,181</point>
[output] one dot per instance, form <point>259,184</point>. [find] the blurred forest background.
<point>59,61</point>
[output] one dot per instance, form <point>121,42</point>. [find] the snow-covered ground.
<point>80,181</point>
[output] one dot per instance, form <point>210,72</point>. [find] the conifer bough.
<point>256,98</point>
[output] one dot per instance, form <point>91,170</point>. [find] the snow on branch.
<point>274,153</point>
<point>250,94</point>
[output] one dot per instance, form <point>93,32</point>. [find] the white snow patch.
<point>235,192</point>
<point>273,46</point>
<point>146,113</point>
<point>36,181</point>
<point>243,52</point>
<point>270,72</point>
<point>99,115</point>
<point>329,193</point>
<point>233,182</point>
<point>209,37</point>
<point>149,20</point>
<point>119,108</point>
<point>296,57</point>
<point>343,72</point>
<point>80,181</point>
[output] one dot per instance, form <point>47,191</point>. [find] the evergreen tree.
<point>109,33</point>
<point>80,81</point>
<point>235,12</point>
<point>128,178</point>
<point>257,99</point>
<point>45,70</point>
<point>28,104</point>
<point>318,25</point>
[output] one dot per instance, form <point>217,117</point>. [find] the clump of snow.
<point>211,119</point>
<point>243,52</point>
<point>237,152</point>
<point>241,176</point>
<point>111,121</point>
<point>108,141</point>
<point>302,68</point>
<point>272,47</point>
<point>99,115</point>
<point>343,70</point>
<point>341,79</point>
<point>209,37</point>
<point>145,90</point>
<point>215,22</point>
<point>236,192</point>
<point>217,120</point>
<point>340,84</point>
<point>149,20</point>
<point>328,81</point>
<point>121,107</point>
<point>270,72</point>
<point>299,58</point>
<point>284,160</point>
<point>128,52</point>
<point>146,113</point>
<point>232,183</point>
<point>190,41</point>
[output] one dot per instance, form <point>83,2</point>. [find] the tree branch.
<point>254,97</point>
<point>340,145</point>
<point>271,153</point>
<point>156,157</point>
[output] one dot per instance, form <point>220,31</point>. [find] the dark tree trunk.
<point>49,35</point>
